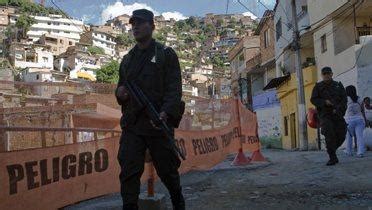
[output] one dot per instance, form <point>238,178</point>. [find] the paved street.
<point>290,180</point>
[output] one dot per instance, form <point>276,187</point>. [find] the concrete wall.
<point>319,9</point>
<point>267,107</point>
<point>58,44</point>
<point>37,77</point>
<point>364,83</point>
<point>284,12</point>
<point>22,140</point>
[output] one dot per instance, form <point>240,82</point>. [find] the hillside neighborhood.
<point>250,133</point>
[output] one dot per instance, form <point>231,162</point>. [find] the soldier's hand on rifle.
<point>163,116</point>
<point>122,94</point>
<point>328,103</point>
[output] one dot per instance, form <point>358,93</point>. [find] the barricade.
<point>56,176</point>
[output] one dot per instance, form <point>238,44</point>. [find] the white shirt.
<point>368,113</point>
<point>354,110</point>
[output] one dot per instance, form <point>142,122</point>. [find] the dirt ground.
<point>289,180</point>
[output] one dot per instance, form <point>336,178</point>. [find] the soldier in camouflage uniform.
<point>156,70</point>
<point>330,99</point>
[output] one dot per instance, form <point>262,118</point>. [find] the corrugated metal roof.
<point>276,82</point>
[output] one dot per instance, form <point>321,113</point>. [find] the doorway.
<point>292,127</point>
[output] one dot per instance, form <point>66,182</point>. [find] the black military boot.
<point>331,162</point>
<point>130,207</point>
<point>178,200</point>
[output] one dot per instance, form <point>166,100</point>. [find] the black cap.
<point>143,14</point>
<point>326,70</point>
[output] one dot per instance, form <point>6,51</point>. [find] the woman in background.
<point>368,111</point>
<point>367,134</point>
<point>356,121</point>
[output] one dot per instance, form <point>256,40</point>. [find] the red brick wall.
<point>269,52</point>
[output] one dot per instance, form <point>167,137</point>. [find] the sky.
<point>99,11</point>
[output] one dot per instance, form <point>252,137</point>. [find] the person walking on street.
<point>329,97</point>
<point>156,70</point>
<point>356,121</point>
<point>368,111</point>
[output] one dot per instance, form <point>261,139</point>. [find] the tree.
<point>209,28</point>
<point>189,39</point>
<point>220,22</point>
<point>125,39</point>
<point>25,6</point>
<point>218,61</point>
<point>24,22</point>
<point>223,32</point>
<point>159,36</point>
<point>192,22</point>
<point>109,73</point>
<point>94,50</point>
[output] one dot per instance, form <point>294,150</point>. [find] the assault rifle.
<point>137,94</point>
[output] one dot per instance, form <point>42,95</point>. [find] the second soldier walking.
<point>329,97</point>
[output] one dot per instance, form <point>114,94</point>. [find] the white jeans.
<point>355,127</point>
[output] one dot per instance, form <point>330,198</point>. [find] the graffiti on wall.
<point>268,111</point>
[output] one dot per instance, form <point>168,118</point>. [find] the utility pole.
<point>300,81</point>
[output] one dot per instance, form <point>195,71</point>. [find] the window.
<point>278,29</point>
<point>49,23</point>
<point>289,26</point>
<point>266,38</point>
<point>304,8</point>
<point>37,77</point>
<point>45,59</point>
<point>323,40</point>
<point>69,43</point>
<point>286,126</point>
<point>61,41</point>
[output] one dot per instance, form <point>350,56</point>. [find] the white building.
<point>100,39</point>
<point>54,25</point>
<point>189,90</point>
<point>204,70</point>
<point>285,59</point>
<point>43,75</point>
<point>34,56</point>
<point>79,63</point>
<point>343,40</point>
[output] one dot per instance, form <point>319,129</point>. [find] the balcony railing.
<point>364,31</point>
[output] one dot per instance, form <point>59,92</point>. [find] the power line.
<point>285,12</point>
<point>335,28</point>
<point>263,18</point>
<point>339,25</point>
<point>71,20</point>
<point>227,6</point>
